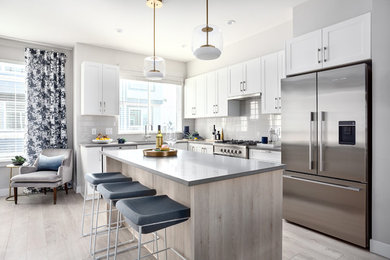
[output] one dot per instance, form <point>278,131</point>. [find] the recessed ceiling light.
<point>119,30</point>
<point>184,45</point>
<point>231,22</point>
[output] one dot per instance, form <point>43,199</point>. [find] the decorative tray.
<point>152,153</point>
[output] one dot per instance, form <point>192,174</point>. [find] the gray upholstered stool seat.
<point>150,214</point>
<point>105,177</point>
<point>123,190</point>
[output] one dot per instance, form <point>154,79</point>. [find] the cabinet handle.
<point>276,103</point>
<point>318,55</point>
<point>325,54</point>
<point>216,109</point>
<point>244,85</point>
<point>104,106</point>
<point>280,102</point>
<point>241,86</point>
<point>100,106</point>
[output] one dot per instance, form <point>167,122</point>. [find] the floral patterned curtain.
<point>46,107</point>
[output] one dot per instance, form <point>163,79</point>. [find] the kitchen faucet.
<point>147,136</point>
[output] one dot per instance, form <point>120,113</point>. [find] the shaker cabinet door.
<point>348,41</point>
<point>91,89</point>
<point>304,53</point>
<point>110,90</point>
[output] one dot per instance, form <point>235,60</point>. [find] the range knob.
<point>239,152</point>
<point>228,150</point>
<point>221,150</point>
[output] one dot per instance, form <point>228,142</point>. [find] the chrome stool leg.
<point>165,243</point>
<point>139,242</point>
<point>83,216</point>
<point>109,230</point>
<point>92,218</point>
<point>96,225</point>
<point>116,234</point>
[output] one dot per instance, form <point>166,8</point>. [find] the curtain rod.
<point>37,43</point>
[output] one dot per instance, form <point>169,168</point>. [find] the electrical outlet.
<point>94,131</point>
<point>108,131</point>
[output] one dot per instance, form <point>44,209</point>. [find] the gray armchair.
<point>29,176</point>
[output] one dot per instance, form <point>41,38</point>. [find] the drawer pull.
<point>323,183</point>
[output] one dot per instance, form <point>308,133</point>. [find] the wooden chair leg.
<point>16,195</point>
<point>55,195</point>
<point>66,188</point>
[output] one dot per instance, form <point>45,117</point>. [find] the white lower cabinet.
<point>201,148</point>
<point>92,161</point>
<point>266,155</point>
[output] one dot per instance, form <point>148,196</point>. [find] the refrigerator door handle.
<point>322,183</point>
<point>322,120</point>
<point>311,141</point>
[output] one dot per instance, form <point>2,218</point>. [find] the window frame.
<point>5,161</point>
<point>179,105</point>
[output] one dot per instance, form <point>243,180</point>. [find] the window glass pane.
<point>163,104</point>
<point>12,110</point>
<point>144,103</point>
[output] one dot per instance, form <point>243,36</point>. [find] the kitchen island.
<point>236,204</point>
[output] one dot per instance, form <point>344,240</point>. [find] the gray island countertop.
<point>191,168</point>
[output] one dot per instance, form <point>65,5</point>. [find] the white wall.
<point>13,51</point>
<point>380,242</point>
<point>131,65</point>
<point>255,46</point>
<point>316,14</point>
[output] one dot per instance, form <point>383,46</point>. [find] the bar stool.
<point>93,179</point>
<point>150,214</point>
<point>112,192</point>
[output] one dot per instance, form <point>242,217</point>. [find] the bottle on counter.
<point>218,136</point>
<point>159,138</point>
<point>222,134</point>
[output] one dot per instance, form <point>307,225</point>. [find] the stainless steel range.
<point>233,148</point>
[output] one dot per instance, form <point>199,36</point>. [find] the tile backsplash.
<point>250,125</point>
<point>101,123</point>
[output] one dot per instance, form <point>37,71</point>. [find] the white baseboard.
<point>78,189</point>
<point>380,248</point>
<point>4,192</point>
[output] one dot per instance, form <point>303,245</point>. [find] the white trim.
<point>46,45</point>
<point>4,192</point>
<point>78,190</point>
<point>380,248</point>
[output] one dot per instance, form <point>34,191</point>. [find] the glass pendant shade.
<point>154,68</point>
<point>207,44</point>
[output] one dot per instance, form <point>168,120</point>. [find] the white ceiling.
<point>65,22</point>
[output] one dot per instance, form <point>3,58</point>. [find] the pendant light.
<point>154,67</point>
<point>207,40</point>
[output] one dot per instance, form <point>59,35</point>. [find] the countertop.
<point>191,168</point>
<point>132,143</point>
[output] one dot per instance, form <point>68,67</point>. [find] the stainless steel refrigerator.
<point>325,146</point>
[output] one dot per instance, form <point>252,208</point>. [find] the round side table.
<point>11,167</point>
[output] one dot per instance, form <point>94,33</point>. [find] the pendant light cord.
<point>154,36</point>
<point>207,22</point>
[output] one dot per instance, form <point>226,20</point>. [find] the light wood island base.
<point>233,219</point>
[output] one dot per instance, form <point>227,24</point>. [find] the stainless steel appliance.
<point>325,146</point>
<point>233,148</point>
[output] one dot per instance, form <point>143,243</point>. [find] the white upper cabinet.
<point>221,108</point>
<point>245,78</point>
<point>348,41</point>
<point>110,90</point>
<point>200,92</point>
<point>189,98</point>
<point>212,90</point>
<point>236,79</point>
<point>304,53</point>
<point>99,89</point>
<point>252,80</point>
<point>272,71</point>
<point>339,44</point>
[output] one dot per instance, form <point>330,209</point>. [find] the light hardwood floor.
<point>37,229</point>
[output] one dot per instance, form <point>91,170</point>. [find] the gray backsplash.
<point>251,125</point>
<point>102,122</point>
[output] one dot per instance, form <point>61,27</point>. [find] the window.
<point>148,103</point>
<point>12,110</point>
